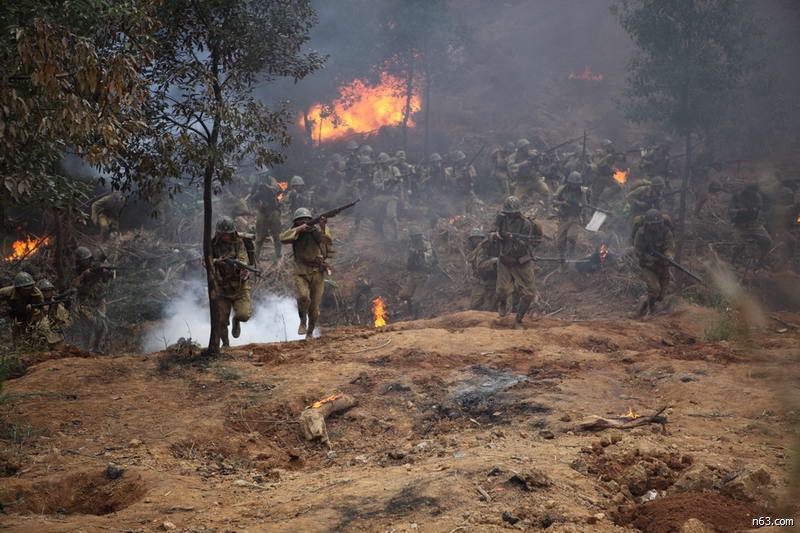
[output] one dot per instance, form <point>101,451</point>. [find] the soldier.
<point>298,194</point>
<point>462,176</point>
<point>351,162</point>
<point>517,236</point>
<point>523,169</point>
<point>92,277</point>
<point>335,172</point>
<point>656,161</point>
<point>407,173</point>
<point>268,218</point>
<point>646,197</point>
<point>233,288</point>
<point>498,160</point>
<point>106,212</point>
<point>365,150</point>
<point>312,247</point>
<point>570,201</point>
<point>603,166</point>
<point>433,174</point>
<point>23,300</point>
<point>654,235</point>
<point>746,213</point>
<point>56,319</point>
<point>421,263</point>
<point>482,255</point>
<point>386,182</point>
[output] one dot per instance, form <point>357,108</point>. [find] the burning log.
<point>312,419</point>
<point>627,421</point>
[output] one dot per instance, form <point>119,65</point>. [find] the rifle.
<point>522,236</point>
<point>56,300</point>
<point>98,268</point>
<point>243,266</point>
<point>474,157</point>
<point>558,260</point>
<point>589,206</point>
<point>556,147</point>
<point>332,213</point>
<point>672,262</point>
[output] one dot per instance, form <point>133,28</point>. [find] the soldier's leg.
<point>242,310</point>
<point>275,230</point>
<point>316,290</point>
<point>540,185</point>
<point>572,236</point>
<point>105,226</point>
<point>525,283</point>
<point>561,239</point>
<point>652,280</point>
<point>223,315</point>
<point>261,234</point>
<point>504,289</point>
<point>303,295</point>
<point>99,329</point>
<point>391,216</point>
<point>476,297</point>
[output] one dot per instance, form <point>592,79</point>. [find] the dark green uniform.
<point>483,260</point>
<point>268,220</point>
<point>90,283</point>
<point>570,200</point>
<point>746,212</point>
<point>655,271</point>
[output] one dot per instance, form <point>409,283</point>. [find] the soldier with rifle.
<point>603,166</point>
<point>483,255</point>
<point>498,160</point>
<point>56,318</point>
<point>462,176</point>
<point>312,246</point>
<point>523,169</point>
<point>22,299</point>
<point>387,182</point>
<point>655,249</point>
<point>232,275</point>
<point>570,201</point>
<point>268,209</point>
<point>518,236</point>
<point>91,279</point>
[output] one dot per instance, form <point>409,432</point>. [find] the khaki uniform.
<point>745,212</point>
<point>602,167</point>
<point>483,260</point>
<point>268,220</point>
<point>386,182</point>
<point>498,160</point>
<point>296,199</point>
<point>90,285</point>
<point>569,217</point>
<point>106,213</point>
<point>311,249</point>
<point>233,289</point>
<point>24,321</point>
<point>643,198</point>
<point>655,271</point>
<point>656,162</point>
<point>515,265</point>
<point>462,179</point>
<point>527,179</point>
<point>421,262</point>
<point>53,324</point>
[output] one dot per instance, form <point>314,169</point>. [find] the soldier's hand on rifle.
<point>495,236</point>
<point>322,223</point>
<point>303,228</point>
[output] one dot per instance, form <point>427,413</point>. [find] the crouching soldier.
<point>55,319</point>
<point>233,288</point>
<point>312,246</point>
<point>24,308</point>
<point>654,235</point>
<point>482,256</point>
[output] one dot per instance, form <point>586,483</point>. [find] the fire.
<point>329,399</point>
<point>362,107</point>
<point>621,176</point>
<point>453,220</point>
<point>602,252</point>
<point>586,75</point>
<point>798,219</point>
<point>630,415</point>
<point>283,185</point>
<point>27,247</point>
<point>378,312</point>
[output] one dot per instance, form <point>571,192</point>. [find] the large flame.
<point>283,185</point>
<point>586,75</point>
<point>26,247</point>
<point>378,312</point>
<point>362,107</point>
<point>621,176</point>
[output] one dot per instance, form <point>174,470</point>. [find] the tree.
<point>202,119</point>
<point>688,70</point>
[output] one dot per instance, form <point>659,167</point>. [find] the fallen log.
<point>599,423</point>
<point>312,419</point>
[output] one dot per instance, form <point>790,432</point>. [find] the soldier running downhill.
<point>654,235</point>
<point>570,201</point>
<point>268,220</point>
<point>312,246</point>
<point>229,253</point>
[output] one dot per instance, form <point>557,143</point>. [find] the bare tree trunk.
<point>687,176</point>
<point>409,96</point>
<point>427,143</point>
<point>208,180</point>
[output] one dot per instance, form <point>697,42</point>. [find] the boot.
<point>651,305</point>
<point>644,308</point>
<point>502,307</point>
<point>301,330</point>
<point>236,330</point>
<point>311,326</point>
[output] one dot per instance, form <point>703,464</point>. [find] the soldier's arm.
<point>289,236</point>
<point>5,293</point>
<point>327,239</point>
<point>669,245</point>
<point>97,208</point>
<point>241,253</point>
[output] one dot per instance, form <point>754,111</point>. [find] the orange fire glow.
<point>630,415</point>
<point>586,75</point>
<point>26,248</point>
<point>798,219</point>
<point>621,176</point>
<point>283,185</point>
<point>362,107</point>
<point>378,312</point>
<point>329,399</point>
<point>603,252</point>
<point>453,220</point>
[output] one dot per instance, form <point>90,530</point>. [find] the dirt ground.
<point>462,424</point>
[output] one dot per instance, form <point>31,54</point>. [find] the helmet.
<point>364,160</point>
<point>23,279</point>
<point>296,180</point>
<point>522,143</point>
<point>510,146</point>
<point>83,253</point>
<point>435,157</point>
<point>417,237</point>
<point>193,254</point>
<point>458,155</point>
<point>400,154</point>
<point>352,145</point>
<point>511,205</point>
<point>475,233</point>
<point>225,225</point>
<point>606,143</point>
<point>653,216</point>
<point>383,157</point>
<point>365,150</point>
<point>575,178</point>
<point>301,212</point>
<point>658,181</point>
<point>45,284</point>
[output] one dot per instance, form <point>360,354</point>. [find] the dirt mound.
<point>89,492</point>
<point>668,514</point>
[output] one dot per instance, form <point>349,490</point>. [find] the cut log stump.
<point>312,419</point>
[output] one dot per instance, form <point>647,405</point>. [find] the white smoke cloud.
<point>274,320</point>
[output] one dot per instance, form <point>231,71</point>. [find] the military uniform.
<point>106,212</point>
<point>90,284</point>
<point>571,199</point>
<point>433,178</point>
<point>387,184</point>
<point>268,219</point>
<point>298,195</point>
<point>483,260</point>
<point>654,235</point>
<point>311,249</point>
<point>526,176</point>
<point>420,263</point>
<point>462,178</point>
<point>746,210</point>
<point>56,318</point>
<point>656,162</point>
<point>602,166</point>
<point>645,197</point>
<point>515,266</point>
<point>407,173</point>
<point>24,319</point>
<point>233,287</point>
<point>498,160</point>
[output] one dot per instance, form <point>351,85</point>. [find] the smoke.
<point>274,320</point>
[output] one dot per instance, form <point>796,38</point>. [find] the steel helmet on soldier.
<point>225,225</point>
<point>400,155</point>
<point>23,280</point>
<point>296,181</point>
<point>364,160</point>
<point>522,144</point>
<point>511,205</point>
<point>365,150</point>
<point>83,253</point>
<point>383,157</point>
<point>653,216</point>
<point>575,178</point>
<point>352,145</point>
<point>45,284</point>
<point>659,182</point>
<point>435,157</point>
<point>510,146</point>
<point>458,155</point>
<point>607,143</point>
<point>475,233</point>
<point>301,212</point>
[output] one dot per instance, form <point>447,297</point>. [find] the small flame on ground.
<point>621,176</point>
<point>603,252</point>
<point>630,415</point>
<point>283,185</point>
<point>586,75</point>
<point>26,247</point>
<point>454,219</point>
<point>798,219</point>
<point>378,312</point>
<point>329,399</point>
